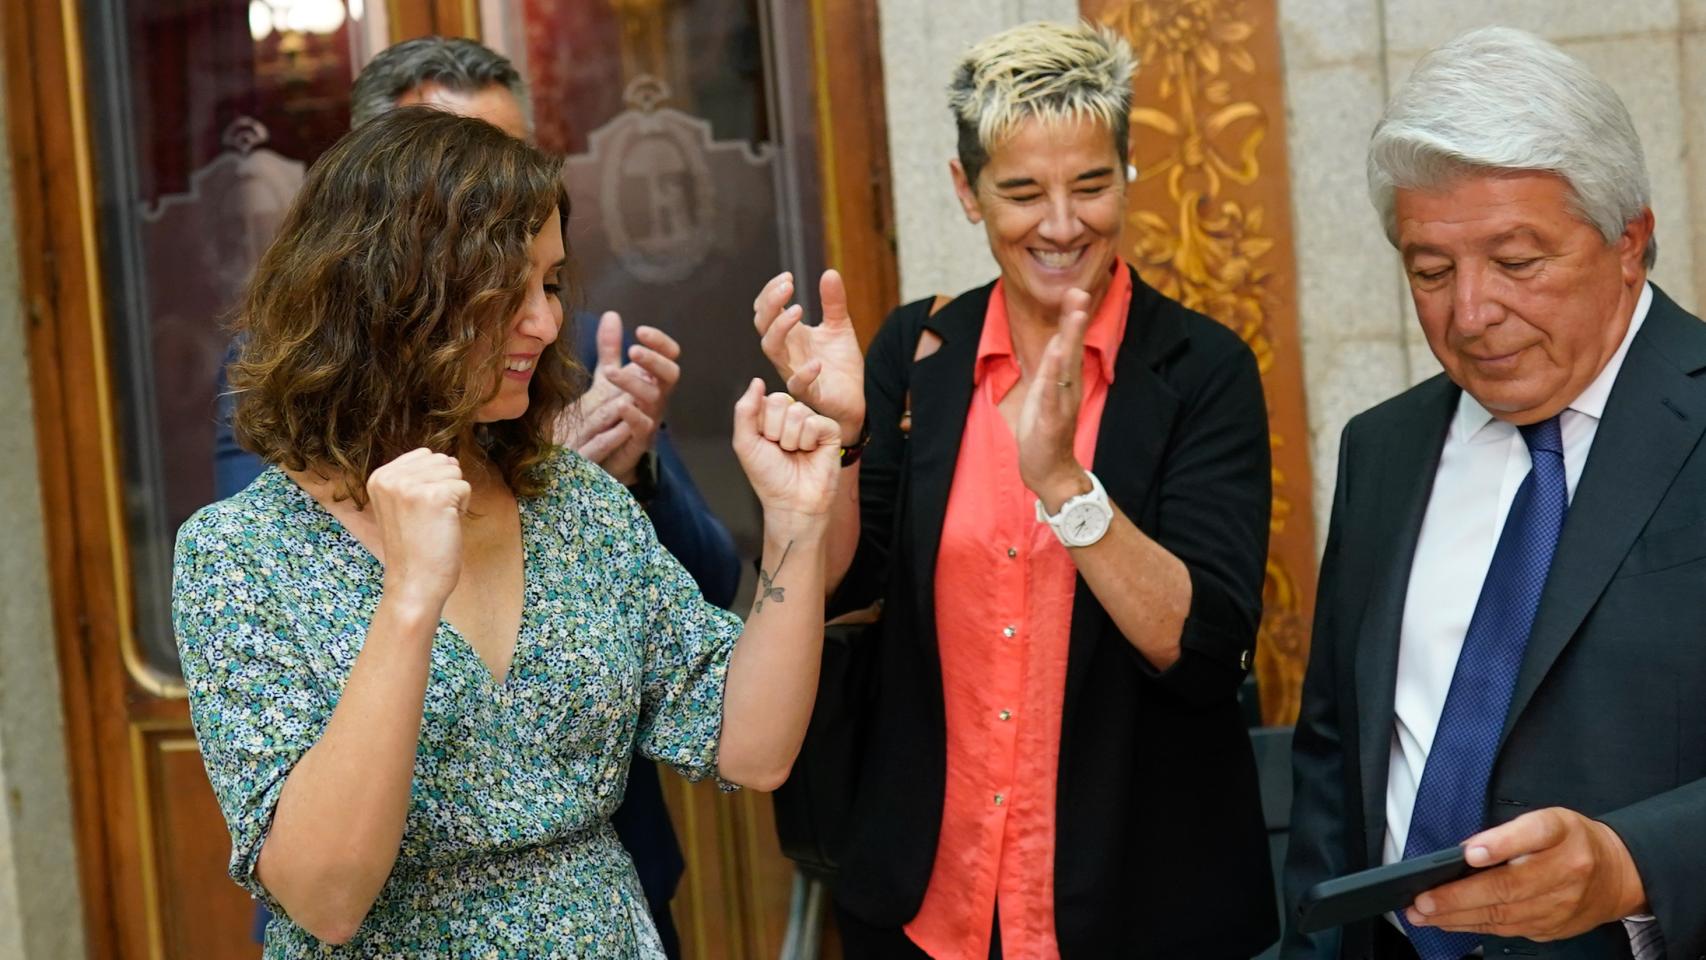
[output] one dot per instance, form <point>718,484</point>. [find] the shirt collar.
<point>1101,340</point>
<point>1472,418</point>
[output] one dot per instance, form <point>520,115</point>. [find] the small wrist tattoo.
<point>767,590</point>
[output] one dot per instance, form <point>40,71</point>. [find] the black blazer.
<point>1160,848</point>
<point>1609,714</point>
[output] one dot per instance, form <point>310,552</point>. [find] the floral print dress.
<point>507,851</point>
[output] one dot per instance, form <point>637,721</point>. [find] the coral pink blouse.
<point>1004,587</point>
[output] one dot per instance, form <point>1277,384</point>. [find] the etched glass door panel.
<point>678,230</point>
<point>204,116</point>
<point>683,183</point>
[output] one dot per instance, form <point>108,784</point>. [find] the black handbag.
<point>814,807</point>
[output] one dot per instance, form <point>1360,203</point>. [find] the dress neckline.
<point>374,573</point>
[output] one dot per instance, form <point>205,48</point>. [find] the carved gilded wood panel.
<point>1209,224</point>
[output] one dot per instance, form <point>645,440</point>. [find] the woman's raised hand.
<point>821,365</point>
<point>791,455</point>
<point>1048,419</point>
<point>419,500</point>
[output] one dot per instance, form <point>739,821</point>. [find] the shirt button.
<point>1000,799</point>
<point>1008,632</point>
<point>1012,552</point>
<point>1005,715</point>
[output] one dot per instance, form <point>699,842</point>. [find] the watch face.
<point>1084,523</point>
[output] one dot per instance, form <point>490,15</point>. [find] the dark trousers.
<point>666,931</point>
<point>862,941</point>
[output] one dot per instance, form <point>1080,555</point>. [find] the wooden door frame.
<point>59,272</point>
<point>853,156</point>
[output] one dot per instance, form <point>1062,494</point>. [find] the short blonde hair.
<point>1055,71</point>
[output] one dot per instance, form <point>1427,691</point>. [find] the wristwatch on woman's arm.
<point>1082,520</point>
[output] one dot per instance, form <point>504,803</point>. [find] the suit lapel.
<point>1409,458</point>
<point>941,396</point>
<point>1652,422</point>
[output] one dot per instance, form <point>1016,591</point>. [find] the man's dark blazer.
<point>686,528</point>
<point>1160,848</point>
<point>1609,713</point>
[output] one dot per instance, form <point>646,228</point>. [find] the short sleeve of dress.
<point>687,645</point>
<point>254,704</point>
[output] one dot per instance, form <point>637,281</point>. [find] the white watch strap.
<point>1096,494</point>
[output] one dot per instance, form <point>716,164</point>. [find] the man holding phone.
<point>1508,649</point>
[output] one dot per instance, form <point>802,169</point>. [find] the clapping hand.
<point>821,365</point>
<point>791,455</point>
<point>616,420</point>
<point>1048,419</point>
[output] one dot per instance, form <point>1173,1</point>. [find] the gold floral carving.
<point>1201,230</point>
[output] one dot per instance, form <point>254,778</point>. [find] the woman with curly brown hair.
<point>422,646</point>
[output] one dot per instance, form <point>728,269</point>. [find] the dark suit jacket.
<point>686,528</point>
<point>1160,848</point>
<point>1609,714</point>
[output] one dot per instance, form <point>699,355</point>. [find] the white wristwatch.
<point>1082,520</point>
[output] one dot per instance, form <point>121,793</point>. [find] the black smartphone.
<point>1370,893</point>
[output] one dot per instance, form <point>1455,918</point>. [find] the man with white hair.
<point>1510,642</point>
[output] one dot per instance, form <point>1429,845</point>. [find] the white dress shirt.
<point>1483,462</point>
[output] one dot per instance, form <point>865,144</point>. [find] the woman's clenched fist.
<point>791,454</point>
<point>419,500</point>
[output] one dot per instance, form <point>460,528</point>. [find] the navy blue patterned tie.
<point>1451,801</point>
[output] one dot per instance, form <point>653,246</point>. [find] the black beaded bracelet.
<point>851,455</point>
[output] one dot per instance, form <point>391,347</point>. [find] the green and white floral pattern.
<point>508,850</point>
